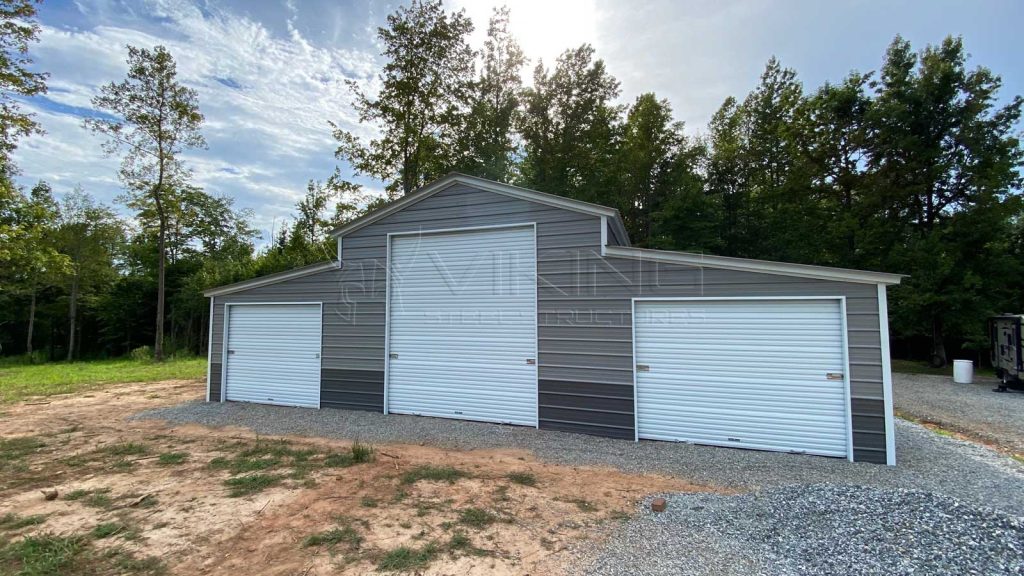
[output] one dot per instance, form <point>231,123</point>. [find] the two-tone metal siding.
<point>584,320</point>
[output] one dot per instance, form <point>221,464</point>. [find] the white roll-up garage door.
<point>273,354</point>
<point>463,325</point>
<point>762,374</point>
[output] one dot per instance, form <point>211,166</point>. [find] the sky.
<point>271,74</point>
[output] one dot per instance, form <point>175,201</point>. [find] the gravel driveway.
<point>948,507</point>
<point>973,409</point>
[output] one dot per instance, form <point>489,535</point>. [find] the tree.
<point>18,29</point>
<point>569,128</point>
<point>488,137</point>
<point>945,165</point>
<point>155,119</point>
<point>89,235</point>
<point>421,105</point>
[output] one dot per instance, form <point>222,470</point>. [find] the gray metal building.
<point>477,300</point>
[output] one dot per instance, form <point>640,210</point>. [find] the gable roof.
<point>454,178</point>
<point>271,278</point>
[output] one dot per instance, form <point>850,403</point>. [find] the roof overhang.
<point>271,279</point>
<point>489,186</point>
<point>762,266</point>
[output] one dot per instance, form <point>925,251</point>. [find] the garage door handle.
<point>643,368</point>
<point>834,376</point>
<point>393,355</point>
<point>231,351</point>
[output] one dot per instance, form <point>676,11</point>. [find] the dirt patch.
<point>213,501</point>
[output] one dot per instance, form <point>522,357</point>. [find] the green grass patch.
<point>13,449</point>
<point>20,381</point>
<point>476,517</point>
<point>361,453</point>
<point>437,473</point>
<point>368,502</point>
<point>407,559</point>
<point>40,555</point>
<point>243,464</point>
<point>108,529</point>
<point>99,498</point>
<point>341,460</point>
<point>125,449</point>
<point>12,521</point>
<point>330,538</point>
<point>77,494</point>
<point>251,484</point>
<point>522,478</point>
<point>172,458</point>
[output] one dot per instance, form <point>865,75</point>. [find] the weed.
<point>43,554</point>
<point>241,465</point>
<point>583,505</point>
<point>405,559</point>
<point>405,525</point>
<point>400,495</point>
<point>108,529</point>
<point>437,473</point>
<point>77,494</point>
<point>338,460</point>
<point>368,502</point>
<point>11,521</point>
<point>99,500</point>
<point>501,493</point>
<point>361,453</point>
<point>219,463</point>
<point>123,465</point>
<point>459,541</point>
<point>476,517</point>
<point>172,458</point>
<point>126,563</point>
<point>251,484</point>
<point>125,449</point>
<point>522,478</point>
<point>330,538</point>
<point>12,449</point>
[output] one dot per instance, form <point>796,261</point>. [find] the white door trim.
<point>883,332</point>
<point>224,343</point>
<point>209,350</point>
<point>387,299</point>
<point>846,347</point>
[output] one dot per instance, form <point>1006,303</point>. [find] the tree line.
<point>913,168</point>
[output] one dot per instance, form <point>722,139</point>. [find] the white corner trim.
<point>338,239</point>
<point>604,234</point>
<point>883,333</point>
<point>749,265</point>
<point>209,350</point>
<point>482,184</point>
<point>271,279</point>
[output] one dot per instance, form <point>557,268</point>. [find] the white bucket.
<point>963,371</point>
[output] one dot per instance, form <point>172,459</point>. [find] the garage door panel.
<point>274,354</point>
<point>706,381</point>
<point>462,325</point>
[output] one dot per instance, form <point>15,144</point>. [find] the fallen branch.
<point>383,453</point>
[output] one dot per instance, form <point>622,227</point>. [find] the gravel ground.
<point>812,529</point>
<point>973,409</point>
<point>925,460</point>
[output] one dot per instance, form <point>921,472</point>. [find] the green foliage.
<point>251,484</point>
<point>40,555</point>
<point>17,80</point>
<point>406,559</point>
<point>435,473</point>
<point>361,453</point>
<point>108,529</point>
<point>330,538</point>
<point>141,354</point>
<point>424,89</point>
<point>476,517</point>
<point>12,521</point>
<point>172,458</point>
<point>126,449</point>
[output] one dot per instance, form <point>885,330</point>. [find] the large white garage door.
<point>273,354</point>
<point>763,374</point>
<point>463,325</point>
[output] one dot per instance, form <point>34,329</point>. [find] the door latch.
<point>231,351</point>
<point>317,355</point>
<point>531,361</point>
<point>833,375</point>
<point>393,355</point>
<point>643,368</point>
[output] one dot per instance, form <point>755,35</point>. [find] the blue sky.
<point>270,74</point>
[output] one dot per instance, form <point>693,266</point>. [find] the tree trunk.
<point>72,317</point>
<point>31,324</point>
<point>158,346</point>
<point>938,359</point>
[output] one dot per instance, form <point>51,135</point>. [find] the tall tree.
<point>155,119</point>
<point>421,104</point>
<point>89,235</point>
<point>18,29</point>
<point>569,127</point>
<point>488,137</point>
<point>727,178</point>
<point>945,160</point>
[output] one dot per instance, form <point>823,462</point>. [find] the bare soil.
<point>184,514</point>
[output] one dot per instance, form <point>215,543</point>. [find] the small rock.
<point>49,494</point>
<point>658,505</point>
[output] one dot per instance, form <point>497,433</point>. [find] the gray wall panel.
<point>584,320</point>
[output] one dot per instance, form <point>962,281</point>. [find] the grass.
<point>368,502</point>
<point>406,559</point>
<point>522,478</point>
<point>73,555</point>
<point>331,538</point>
<point>125,449</point>
<point>476,517</point>
<point>108,529</point>
<point>436,473</point>
<point>251,484</point>
<point>361,453</point>
<point>172,458</point>
<point>13,449</point>
<point>11,521</point>
<point>21,381</point>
